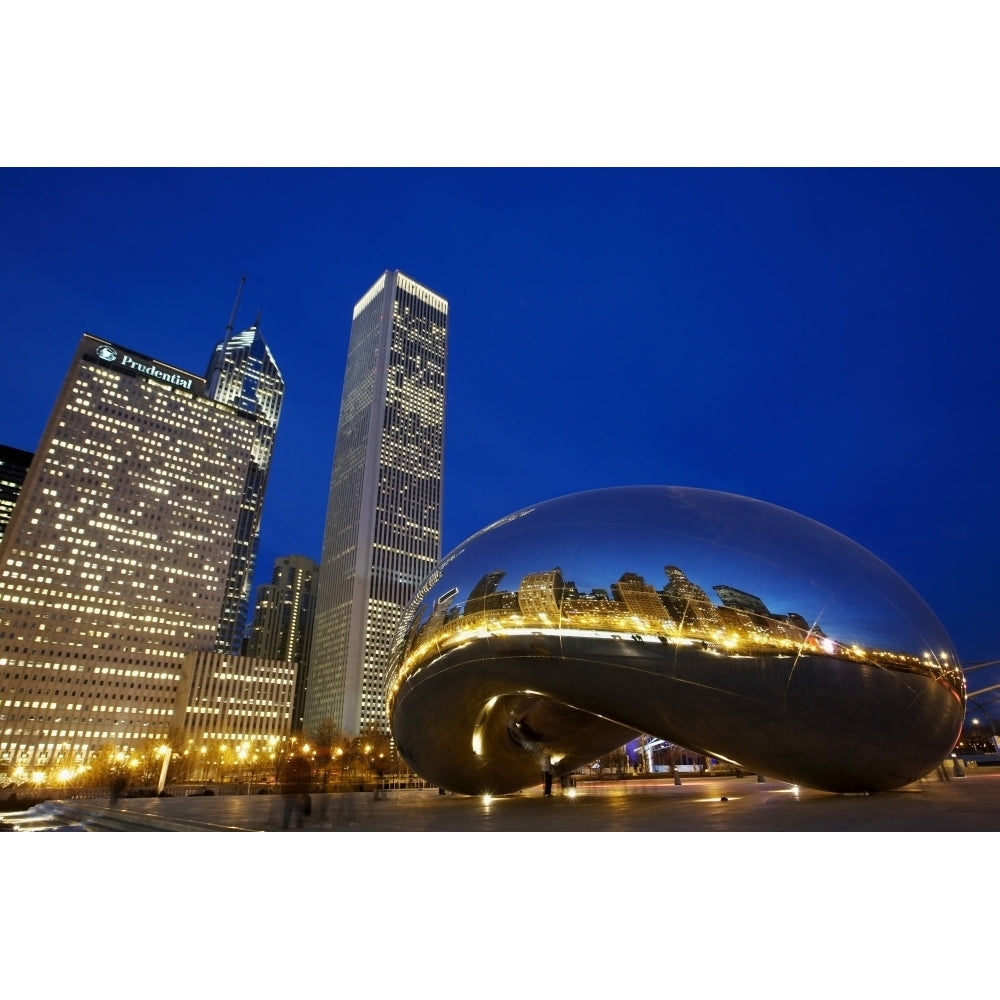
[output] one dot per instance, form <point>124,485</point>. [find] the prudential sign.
<point>115,356</point>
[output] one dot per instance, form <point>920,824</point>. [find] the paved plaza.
<point>962,804</point>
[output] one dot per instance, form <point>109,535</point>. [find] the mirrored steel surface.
<point>724,624</point>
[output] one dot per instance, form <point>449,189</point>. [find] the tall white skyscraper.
<point>384,515</point>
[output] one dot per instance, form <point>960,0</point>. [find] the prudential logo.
<point>106,353</point>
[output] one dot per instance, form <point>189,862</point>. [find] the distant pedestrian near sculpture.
<point>297,802</point>
<point>118,785</point>
<point>547,771</point>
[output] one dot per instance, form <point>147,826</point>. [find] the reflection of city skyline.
<point>680,612</point>
<point>722,624</point>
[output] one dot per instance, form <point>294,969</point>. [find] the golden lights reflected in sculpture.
<point>730,626</point>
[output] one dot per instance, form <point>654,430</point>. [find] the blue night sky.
<point>822,339</point>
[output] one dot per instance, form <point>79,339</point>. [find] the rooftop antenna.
<point>236,305</point>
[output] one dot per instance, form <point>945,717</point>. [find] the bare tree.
<point>326,739</point>
<point>376,750</point>
<point>616,761</point>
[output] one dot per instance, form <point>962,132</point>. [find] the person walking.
<point>295,792</point>
<point>547,772</point>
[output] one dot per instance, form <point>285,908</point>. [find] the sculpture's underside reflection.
<point>815,663</point>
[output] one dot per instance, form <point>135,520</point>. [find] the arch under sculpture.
<point>723,624</point>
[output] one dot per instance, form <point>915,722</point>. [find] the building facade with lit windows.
<point>239,700</point>
<point>283,621</point>
<point>115,564</point>
<point>14,465</point>
<point>382,534</point>
<point>242,373</point>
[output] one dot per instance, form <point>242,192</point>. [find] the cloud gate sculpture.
<point>725,625</point>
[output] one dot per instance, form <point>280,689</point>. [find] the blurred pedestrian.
<point>547,772</point>
<point>119,782</point>
<point>297,803</point>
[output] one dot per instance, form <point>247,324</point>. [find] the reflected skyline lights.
<point>681,613</point>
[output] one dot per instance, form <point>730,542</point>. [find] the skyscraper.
<point>242,372</point>
<point>283,621</point>
<point>383,521</point>
<point>115,563</point>
<point>14,465</point>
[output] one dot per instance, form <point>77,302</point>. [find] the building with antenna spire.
<point>243,374</point>
<point>132,545</point>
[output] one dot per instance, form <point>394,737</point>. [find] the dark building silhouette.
<point>14,465</point>
<point>733,598</point>
<point>283,621</point>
